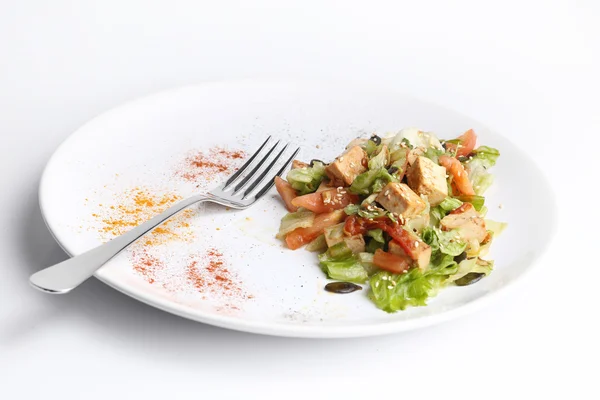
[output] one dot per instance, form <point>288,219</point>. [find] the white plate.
<point>279,292</point>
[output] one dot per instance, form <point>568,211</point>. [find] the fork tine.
<point>259,180</point>
<point>246,164</point>
<point>270,184</point>
<point>245,180</point>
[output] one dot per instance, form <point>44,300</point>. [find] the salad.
<point>404,214</point>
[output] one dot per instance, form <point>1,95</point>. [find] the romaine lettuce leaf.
<point>377,235</point>
<point>392,292</point>
<point>291,221</point>
<point>477,201</point>
<point>472,265</point>
<point>488,154</point>
<point>351,209</point>
<point>437,213</point>
<point>319,244</point>
<point>366,259</point>
<point>366,182</point>
<point>495,227</point>
<point>339,263</point>
<point>447,242</point>
<point>307,180</point>
<point>484,157</point>
<point>417,138</point>
<point>380,160</point>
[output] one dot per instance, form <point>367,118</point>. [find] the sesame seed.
<point>341,158</point>
<point>387,192</point>
<point>500,206</point>
<point>416,244</point>
<point>390,287</point>
<point>405,271</point>
<point>385,278</point>
<point>377,284</point>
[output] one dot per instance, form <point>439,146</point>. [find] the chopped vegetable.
<point>301,236</point>
<point>465,144</point>
<point>460,178</point>
<point>367,182</point>
<point>287,193</point>
<point>403,212</point>
<point>292,221</point>
<point>325,201</point>
<point>307,180</point>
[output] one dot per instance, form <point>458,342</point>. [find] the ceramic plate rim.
<point>302,331</point>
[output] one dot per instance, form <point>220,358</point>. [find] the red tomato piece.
<point>325,201</point>
<point>287,193</point>
<point>391,262</point>
<point>301,236</point>
<point>460,178</point>
<point>467,143</point>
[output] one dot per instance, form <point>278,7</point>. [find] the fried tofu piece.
<point>429,179</point>
<point>466,220</point>
<point>347,167</point>
<point>399,199</point>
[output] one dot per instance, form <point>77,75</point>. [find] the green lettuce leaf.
<point>351,209</point>
<point>484,158</point>
<point>495,227</point>
<point>449,204</point>
<point>366,259</point>
<point>339,263</point>
<point>307,180</point>
<point>317,245</point>
<point>488,154</point>
<point>393,292</point>
<point>446,242</point>
<point>471,265</point>
<point>299,219</point>
<point>477,201</point>
<point>367,182</point>
<point>437,213</point>
<point>380,160</point>
<point>377,235</point>
<point>433,154</point>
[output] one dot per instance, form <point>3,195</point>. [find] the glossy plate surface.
<point>225,267</point>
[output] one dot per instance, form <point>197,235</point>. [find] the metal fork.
<point>239,192</point>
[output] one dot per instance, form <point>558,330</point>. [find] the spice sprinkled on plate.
<point>207,165</point>
<point>137,205</point>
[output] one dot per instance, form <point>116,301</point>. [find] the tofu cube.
<point>347,167</point>
<point>429,179</point>
<point>467,222</point>
<point>355,243</point>
<point>399,199</point>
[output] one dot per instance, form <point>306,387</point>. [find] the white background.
<point>528,69</point>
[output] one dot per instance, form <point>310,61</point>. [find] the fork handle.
<point>67,275</point>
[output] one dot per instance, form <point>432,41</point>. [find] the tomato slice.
<point>326,200</point>
<point>391,262</point>
<point>460,178</point>
<point>301,236</point>
<point>287,193</point>
<point>467,143</point>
